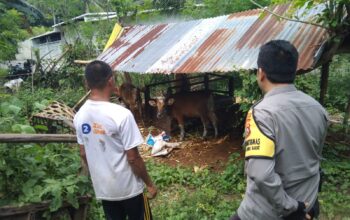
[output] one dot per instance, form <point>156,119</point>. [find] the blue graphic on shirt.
<point>86,128</point>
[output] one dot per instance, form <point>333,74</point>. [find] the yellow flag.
<point>116,33</point>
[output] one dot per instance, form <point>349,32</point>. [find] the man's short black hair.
<point>279,60</point>
<point>97,74</point>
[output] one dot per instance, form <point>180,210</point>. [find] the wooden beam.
<point>81,101</point>
<point>147,94</point>
<point>231,90</point>
<point>324,82</point>
<point>82,62</point>
<point>206,82</point>
<point>346,117</point>
<point>37,138</point>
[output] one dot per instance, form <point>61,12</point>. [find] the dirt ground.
<point>196,153</point>
<point>212,154</point>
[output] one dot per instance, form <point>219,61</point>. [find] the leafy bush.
<point>338,84</point>
<point>247,90</point>
<point>33,173</point>
<point>335,197</point>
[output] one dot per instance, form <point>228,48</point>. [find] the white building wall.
<point>50,50</point>
<point>25,50</point>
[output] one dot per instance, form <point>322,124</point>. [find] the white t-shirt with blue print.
<point>107,131</point>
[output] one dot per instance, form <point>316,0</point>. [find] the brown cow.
<point>130,95</point>
<point>198,104</point>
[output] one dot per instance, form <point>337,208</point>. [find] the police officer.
<point>284,136</point>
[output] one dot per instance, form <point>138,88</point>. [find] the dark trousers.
<point>136,208</point>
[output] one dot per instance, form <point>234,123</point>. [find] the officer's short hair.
<point>97,73</point>
<point>279,60</point>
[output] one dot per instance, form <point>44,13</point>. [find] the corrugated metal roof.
<point>44,34</point>
<point>221,44</point>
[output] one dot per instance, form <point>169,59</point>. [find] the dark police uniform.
<point>284,137</point>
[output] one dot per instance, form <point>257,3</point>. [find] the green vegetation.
<point>11,32</point>
<point>335,196</point>
<point>338,84</point>
<point>35,172</point>
<point>211,195</point>
<point>31,172</point>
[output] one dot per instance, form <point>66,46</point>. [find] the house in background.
<point>51,44</point>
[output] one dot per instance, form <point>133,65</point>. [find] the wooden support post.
<point>231,87</point>
<point>346,117</point>
<point>147,98</point>
<point>37,138</point>
<point>324,82</point>
<point>206,82</point>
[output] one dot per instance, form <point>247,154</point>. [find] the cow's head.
<point>161,103</point>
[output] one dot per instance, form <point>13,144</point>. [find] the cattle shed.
<point>220,44</point>
<point>212,46</point>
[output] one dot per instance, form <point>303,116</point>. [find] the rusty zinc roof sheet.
<point>221,44</point>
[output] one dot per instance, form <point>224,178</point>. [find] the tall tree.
<point>335,18</point>
<point>59,10</point>
<point>124,8</point>
<point>32,14</point>
<point>11,32</point>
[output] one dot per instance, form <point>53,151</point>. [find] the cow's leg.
<point>204,120</point>
<point>181,123</point>
<point>214,121</point>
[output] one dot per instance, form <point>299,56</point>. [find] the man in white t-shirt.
<point>108,136</point>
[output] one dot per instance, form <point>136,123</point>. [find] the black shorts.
<point>136,208</point>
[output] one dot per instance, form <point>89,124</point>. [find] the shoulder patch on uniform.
<point>256,143</point>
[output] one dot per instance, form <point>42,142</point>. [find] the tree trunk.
<point>324,82</point>
<point>346,117</point>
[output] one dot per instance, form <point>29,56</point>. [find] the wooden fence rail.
<point>37,138</point>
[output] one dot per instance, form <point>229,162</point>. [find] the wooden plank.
<point>37,138</point>
<point>219,91</point>
<point>221,76</point>
<point>171,81</point>
<point>147,95</point>
<point>81,101</point>
<point>231,87</point>
<point>83,62</point>
<point>206,82</point>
